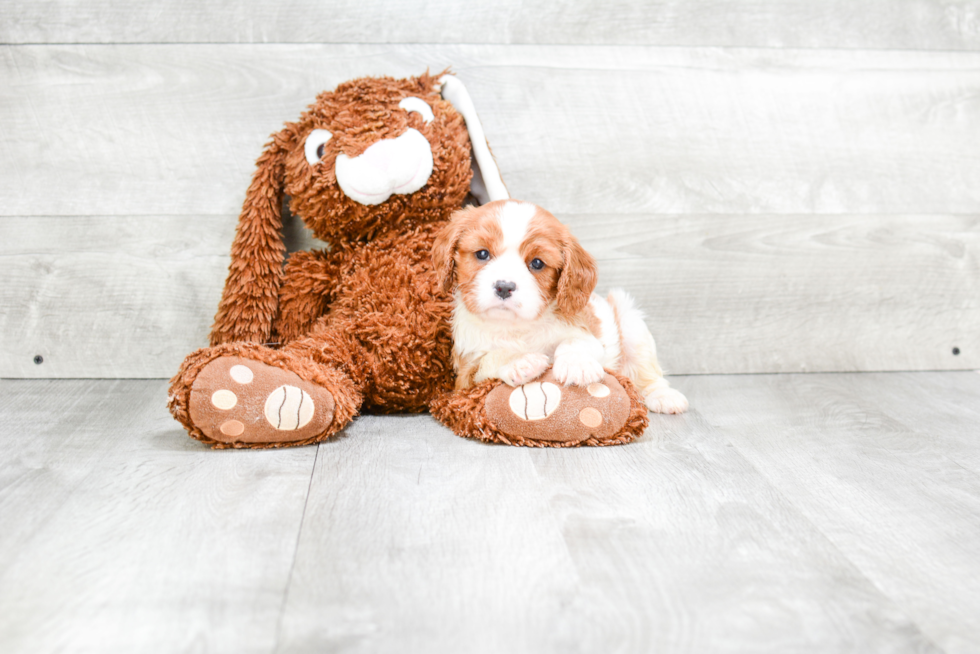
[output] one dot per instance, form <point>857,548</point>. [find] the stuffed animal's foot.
<point>546,414</point>
<point>237,400</point>
<point>551,413</point>
<point>247,395</point>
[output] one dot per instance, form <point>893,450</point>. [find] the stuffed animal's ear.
<point>487,184</point>
<point>579,275</point>
<point>251,296</point>
<point>444,250</point>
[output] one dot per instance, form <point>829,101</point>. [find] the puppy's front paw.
<point>523,370</point>
<point>577,369</point>
<point>666,400</point>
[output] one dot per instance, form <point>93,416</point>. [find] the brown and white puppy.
<point>524,301</point>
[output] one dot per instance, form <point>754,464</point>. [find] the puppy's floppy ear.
<point>251,296</point>
<point>444,249</point>
<point>486,184</point>
<point>579,275</point>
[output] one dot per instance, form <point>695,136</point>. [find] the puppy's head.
<point>512,261</point>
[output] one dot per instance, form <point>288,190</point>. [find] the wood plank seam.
<point>292,563</point>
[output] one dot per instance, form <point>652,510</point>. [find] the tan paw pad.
<point>239,400</point>
<point>241,374</point>
<point>232,428</point>
<point>535,401</point>
<point>598,390</point>
<point>224,400</point>
<point>288,408</point>
<point>590,417</point>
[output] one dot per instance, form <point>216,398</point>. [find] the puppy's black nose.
<point>503,289</point>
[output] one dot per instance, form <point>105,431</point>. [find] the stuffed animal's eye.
<point>419,107</point>
<point>537,264</point>
<point>483,255</point>
<point>314,145</point>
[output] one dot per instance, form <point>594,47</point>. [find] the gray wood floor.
<point>784,513</point>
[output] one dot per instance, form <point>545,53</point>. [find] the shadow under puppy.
<point>524,302</point>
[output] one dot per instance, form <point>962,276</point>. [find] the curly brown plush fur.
<point>363,326</point>
<point>358,113</point>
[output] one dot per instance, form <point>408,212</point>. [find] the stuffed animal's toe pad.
<point>546,411</point>
<point>236,400</point>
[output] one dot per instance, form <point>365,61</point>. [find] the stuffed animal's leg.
<point>247,395</point>
<point>545,413</point>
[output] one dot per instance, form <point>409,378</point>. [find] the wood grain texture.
<point>893,499</point>
<point>786,513</point>
<point>682,545</point>
<point>147,129</point>
<point>772,210</point>
<point>121,534</point>
<point>942,409</point>
<point>131,296</point>
<point>734,294</point>
<point>900,24</point>
<point>114,296</point>
<point>416,541</point>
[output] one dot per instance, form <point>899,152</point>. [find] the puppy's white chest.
<point>475,336</point>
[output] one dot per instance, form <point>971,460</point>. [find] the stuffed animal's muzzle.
<point>389,167</point>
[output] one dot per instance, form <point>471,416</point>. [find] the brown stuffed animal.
<point>375,168</point>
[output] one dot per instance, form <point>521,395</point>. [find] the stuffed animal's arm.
<point>307,291</point>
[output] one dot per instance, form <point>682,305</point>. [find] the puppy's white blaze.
<point>514,217</point>
<point>526,300</point>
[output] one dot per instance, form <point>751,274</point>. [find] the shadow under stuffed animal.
<point>375,168</point>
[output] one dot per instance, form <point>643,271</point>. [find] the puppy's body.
<point>524,302</point>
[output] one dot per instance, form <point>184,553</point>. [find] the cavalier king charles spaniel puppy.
<point>523,302</point>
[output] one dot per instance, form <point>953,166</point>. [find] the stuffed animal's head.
<point>376,153</point>
<point>373,156</point>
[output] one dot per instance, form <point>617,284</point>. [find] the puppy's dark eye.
<point>483,255</point>
<point>537,264</point>
<point>319,151</point>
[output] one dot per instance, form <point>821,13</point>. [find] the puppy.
<point>523,302</point>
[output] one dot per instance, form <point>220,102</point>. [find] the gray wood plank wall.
<point>782,188</point>
<point>888,24</point>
